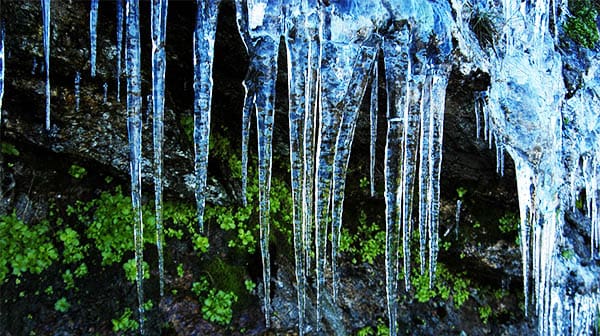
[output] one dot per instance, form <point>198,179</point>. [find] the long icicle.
<point>297,59</point>
<point>374,107</point>
<point>46,38</point>
<point>267,49</point>
<point>134,129</point>
<point>119,46</point>
<point>439,81</point>
<point>204,45</point>
<point>159,64</point>
<point>93,35</point>
<point>311,8</point>
<point>397,68</point>
<point>249,93</point>
<point>350,107</point>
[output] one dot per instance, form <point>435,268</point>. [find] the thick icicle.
<point>397,70</point>
<point>373,119</point>
<point>134,128</point>
<point>362,67</point>
<point>77,90</point>
<point>439,81</point>
<point>297,58</point>
<point>2,67</point>
<point>424,178</point>
<point>93,25</point>
<point>159,63</point>
<point>261,28</point>
<point>46,37</point>
<point>119,46</point>
<point>313,92</point>
<point>204,45</point>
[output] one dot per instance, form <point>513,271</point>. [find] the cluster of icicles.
<point>333,53</point>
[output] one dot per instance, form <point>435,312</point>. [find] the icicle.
<point>373,119</point>
<point>204,45</point>
<point>499,156</point>
<point>424,178</point>
<point>297,58</point>
<point>439,82</point>
<point>46,37</point>
<point>479,103</point>
<point>457,215</point>
<point>134,128</point>
<point>77,90</point>
<point>362,67</point>
<point>313,94</point>
<point>397,71</point>
<point>249,87</point>
<point>525,189</point>
<point>2,67</point>
<point>93,24</point>
<point>119,46</point>
<point>105,95</point>
<point>159,63</point>
<point>261,29</point>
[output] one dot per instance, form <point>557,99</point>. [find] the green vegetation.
<point>446,286</point>
<point>9,149</point>
<point>217,306</point>
<point>461,192</point>
<point>482,25</point>
<point>368,243</point>
<point>125,322</point>
<point>77,172</point>
<point>581,26</point>
<point>509,223</point>
<point>24,248</point>
<point>484,313</point>
<point>62,305</point>
<point>131,270</point>
<point>381,330</point>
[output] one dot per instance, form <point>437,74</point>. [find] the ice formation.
<point>159,64</point>
<point>93,36</point>
<point>46,38</point>
<point>134,131</point>
<point>333,54</point>
<point>77,90</point>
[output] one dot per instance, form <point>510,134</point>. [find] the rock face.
<point>542,103</point>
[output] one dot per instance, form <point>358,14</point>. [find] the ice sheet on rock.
<point>93,36</point>
<point>204,45</point>
<point>134,130</point>
<point>46,38</point>
<point>159,62</point>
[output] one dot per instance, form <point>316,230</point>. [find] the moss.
<point>581,26</point>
